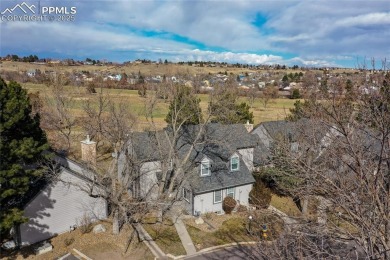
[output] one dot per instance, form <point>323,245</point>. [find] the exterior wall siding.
<point>148,180</point>
<point>247,157</point>
<point>121,166</point>
<point>57,207</point>
<point>187,205</point>
<point>263,134</point>
<point>204,203</point>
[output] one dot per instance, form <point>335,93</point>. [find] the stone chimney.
<point>249,127</point>
<point>88,151</point>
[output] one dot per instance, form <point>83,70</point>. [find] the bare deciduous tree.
<point>343,160</point>
<point>267,95</point>
<point>252,95</point>
<point>57,113</point>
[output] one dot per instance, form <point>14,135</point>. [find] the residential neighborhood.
<point>194,130</point>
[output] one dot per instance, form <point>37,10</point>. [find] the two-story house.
<point>216,160</point>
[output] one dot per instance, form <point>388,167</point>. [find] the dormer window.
<point>234,163</point>
<point>205,168</point>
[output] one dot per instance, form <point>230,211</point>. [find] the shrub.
<point>68,241</point>
<point>208,215</point>
<point>228,204</point>
<point>295,94</point>
<point>85,224</point>
<point>260,195</point>
<point>242,208</point>
<point>91,88</point>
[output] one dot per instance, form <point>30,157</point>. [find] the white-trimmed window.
<point>205,168</point>
<point>186,194</point>
<point>217,196</point>
<point>234,163</point>
<point>230,192</point>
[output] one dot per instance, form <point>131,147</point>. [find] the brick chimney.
<point>88,151</point>
<point>249,127</point>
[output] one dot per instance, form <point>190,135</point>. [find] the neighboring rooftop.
<point>217,139</point>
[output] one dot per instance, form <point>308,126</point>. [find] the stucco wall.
<point>204,203</point>
<point>148,179</point>
<point>247,157</point>
<point>263,134</point>
<point>57,207</point>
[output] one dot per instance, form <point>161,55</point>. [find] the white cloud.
<point>311,62</point>
<point>313,30</point>
<point>199,55</point>
<point>382,19</point>
<point>76,39</point>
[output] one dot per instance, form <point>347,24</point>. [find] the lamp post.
<point>265,230</point>
<point>250,223</point>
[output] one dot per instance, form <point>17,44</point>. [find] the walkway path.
<point>184,236</point>
<point>289,222</point>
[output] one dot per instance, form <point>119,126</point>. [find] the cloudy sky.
<point>311,33</point>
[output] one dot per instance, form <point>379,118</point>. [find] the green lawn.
<point>286,205</point>
<point>166,237</point>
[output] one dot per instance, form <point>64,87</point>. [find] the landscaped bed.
<point>233,228</point>
<point>96,246</point>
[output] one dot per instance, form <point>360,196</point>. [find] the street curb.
<point>213,248</point>
<point>81,254</point>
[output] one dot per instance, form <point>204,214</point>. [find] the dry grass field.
<point>277,109</point>
<point>145,69</point>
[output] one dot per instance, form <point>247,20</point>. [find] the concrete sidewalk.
<point>289,222</point>
<point>184,236</point>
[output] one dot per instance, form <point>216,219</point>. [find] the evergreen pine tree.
<point>184,108</point>
<point>22,143</point>
<point>225,110</point>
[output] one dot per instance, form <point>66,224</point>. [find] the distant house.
<point>115,77</point>
<point>59,205</point>
<point>220,165</point>
<point>271,131</point>
<point>132,81</point>
<point>290,133</point>
<point>261,84</point>
<point>31,73</point>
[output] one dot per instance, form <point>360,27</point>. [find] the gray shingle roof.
<point>261,155</point>
<point>220,178</point>
<point>148,146</point>
<point>218,142</point>
<point>293,131</point>
<point>217,139</point>
<point>281,129</point>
